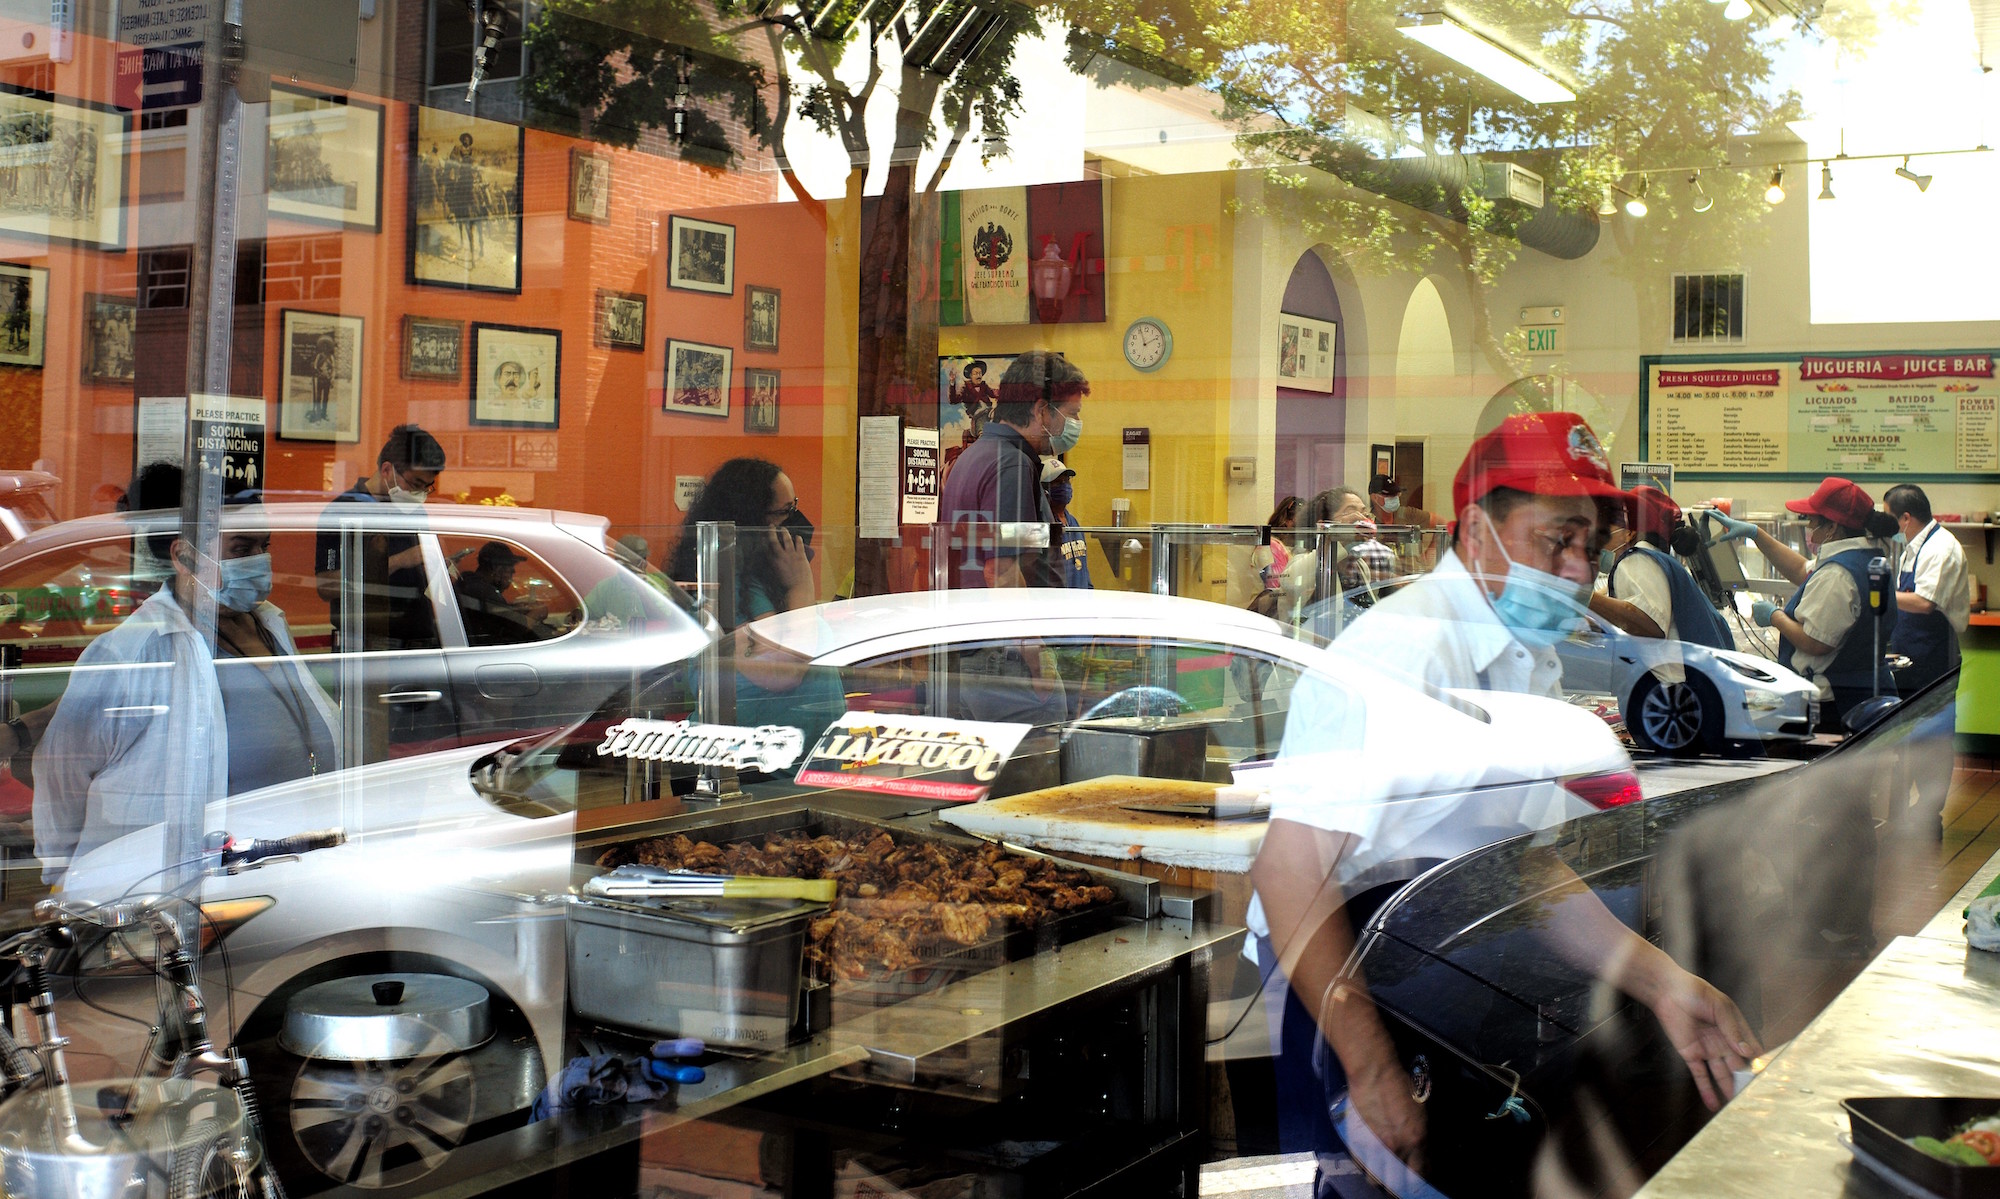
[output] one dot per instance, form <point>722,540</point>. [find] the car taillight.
<point>1612,789</point>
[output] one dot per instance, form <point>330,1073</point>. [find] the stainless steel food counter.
<point>1918,1020</point>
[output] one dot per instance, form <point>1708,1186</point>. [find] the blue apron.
<point>1856,670</point>
<point>1695,619</point>
<point>1927,639</point>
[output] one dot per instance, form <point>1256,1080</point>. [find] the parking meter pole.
<point>357,712</point>
<point>715,582</point>
<point>1163,571</point>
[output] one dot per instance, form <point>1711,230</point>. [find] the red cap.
<point>1837,500</point>
<point>1654,513</point>
<point>1541,453</point>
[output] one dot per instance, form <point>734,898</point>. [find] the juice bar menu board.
<point>1815,415</point>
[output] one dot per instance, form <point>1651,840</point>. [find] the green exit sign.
<point>1543,339</point>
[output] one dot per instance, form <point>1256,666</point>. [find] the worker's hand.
<point>1708,1031</point>
<point>1385,1104</point>
<point>789,560</point>
<point>1732,529</point>
<point>1761,611</point>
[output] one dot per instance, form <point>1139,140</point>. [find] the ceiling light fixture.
<point>1702,200</point>
<point>1923,182</point>
<point>1826,181</point>
<point>1775,194</point>
<point>1486,57</point>
<point>1607,206</point>
<point>1636,206</point>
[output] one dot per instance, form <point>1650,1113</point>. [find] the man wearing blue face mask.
<point>196,723</point>
<point>1534,500</point>
<point>994,496</point>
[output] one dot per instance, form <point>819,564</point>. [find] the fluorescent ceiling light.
<point>1486,57</point>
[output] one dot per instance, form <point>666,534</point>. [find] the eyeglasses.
<point>787,510</point>
<point>1586,541</point>
<point>416,488</point>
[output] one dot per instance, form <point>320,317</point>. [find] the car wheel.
<point>1681,717</point>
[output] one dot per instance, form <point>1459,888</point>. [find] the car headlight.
<point>1748,671</point>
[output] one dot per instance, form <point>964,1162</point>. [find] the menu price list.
<point>1719,420</point>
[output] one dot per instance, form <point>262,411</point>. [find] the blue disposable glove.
<point>1761,613</point>
<point>605,1078</point>
<point>1732,529</point>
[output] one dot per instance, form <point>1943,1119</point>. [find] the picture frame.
<point>465,202</point>
<point>589,186</point>
<point>82,201</point>
<point>24,314</point>
<point>323,158</point>
<point>760,318</point>
<point>701,256</point>
<point>320,361</point>
<point>1306,352</point>
<point>1382,460</point>
<point>516,377</point>
<point>697,379</point>
<point>110,338</point>
<point>760,400</point>
<point>433,348</point>
<point>621,320</point>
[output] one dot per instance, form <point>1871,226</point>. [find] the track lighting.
<point>1826,181</point>
<point>1636,206</point>
<point>1923,182</point>
<point>1775,194</point>
<point>1702,200</point>
<point>1607,206</point>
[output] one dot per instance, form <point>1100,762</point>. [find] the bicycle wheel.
<point>208,1166</point>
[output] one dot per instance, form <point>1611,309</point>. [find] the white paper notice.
<point>1138,459</point>
<point>162,430</point>
<point>920,476</point>
<point>879,467</point>
<point>686,487</point>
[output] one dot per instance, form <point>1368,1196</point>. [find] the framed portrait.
<point>760,318</point>
<point>697,379</point>
<point>64,179</point>
<point>319,387</point>
<point>1305,352</point>
<point>621,320</point>
<point>516,377</point>
<point>24,314</point>
<point>432,348</point>
<point>589,187</point>
<point>110,328</point>
<point>465,201</point>
<point>323,158</point>
<point>701,256</point>
<point>760,400</point>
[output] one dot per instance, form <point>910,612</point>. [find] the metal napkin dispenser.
<point>1159,747</point>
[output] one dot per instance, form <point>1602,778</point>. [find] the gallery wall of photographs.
<point>556,311</point>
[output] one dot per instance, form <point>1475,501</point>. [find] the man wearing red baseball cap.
<point>1534,501</point>
<point>1821,631</point>
<point>1650,593</point>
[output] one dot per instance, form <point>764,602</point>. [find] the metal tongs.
<point>654,882</point>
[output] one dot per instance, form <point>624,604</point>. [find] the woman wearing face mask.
<point>773,574</point>
<point>1650,594</point>
<point>244,715</point>
<point>1823,630</point>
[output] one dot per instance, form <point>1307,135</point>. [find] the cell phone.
<point>798,526</point>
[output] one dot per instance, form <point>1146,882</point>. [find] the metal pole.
<point>715,581</point>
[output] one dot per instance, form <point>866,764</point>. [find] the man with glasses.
<point>396,610</point>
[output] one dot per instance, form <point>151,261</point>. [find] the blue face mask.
<point>1901,538</point>
<point>1064,440</point>
<point>244,582</point>
<point>1060,493</point>
<point>1605,561</point>
<point>1538,607</point>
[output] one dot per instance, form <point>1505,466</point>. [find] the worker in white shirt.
<point>1933,591</point>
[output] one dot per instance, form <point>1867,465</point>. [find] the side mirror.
<point>1869,712</point>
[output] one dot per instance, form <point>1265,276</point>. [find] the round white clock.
<point>1148,344</point>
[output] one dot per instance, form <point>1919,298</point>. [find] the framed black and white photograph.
<point>621,320</point>
<point>697,379</point>
<point>760,318</point>
<point>760,400</point>
<point>516,377</point>
<point>465,201</point>
<point>701,256</point>
<point>110,327</point>
<point>319,385</point>
<point>73,188</point>
<point>432,348</point>
<point>589,187</point>
<point>24,314</point>
<point>323,158</point>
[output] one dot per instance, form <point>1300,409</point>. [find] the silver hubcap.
<point>1671,715</point>
<point>378,1124</point>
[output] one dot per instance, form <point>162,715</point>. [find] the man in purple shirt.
<point>993,499</point>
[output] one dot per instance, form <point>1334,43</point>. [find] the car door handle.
<point>507,680</point>
<point>411,697</point>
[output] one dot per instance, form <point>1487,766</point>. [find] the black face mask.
<point>798,526</point>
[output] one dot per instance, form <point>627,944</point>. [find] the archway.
<point>1427,379</point>
<point>1312,425</point>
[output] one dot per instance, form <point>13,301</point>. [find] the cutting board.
<point>1089,818</point>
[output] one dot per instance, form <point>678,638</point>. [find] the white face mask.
<point>1391,503</point>
<point>398,496</point>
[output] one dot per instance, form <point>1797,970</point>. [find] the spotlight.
<point>1636,206</point>
<point>1702,200</point>
<point>1923,182</point>
<point>1775,194</point>
<point>1826,181</point>
<point>1737,10</point>
<point>1606,206</point>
